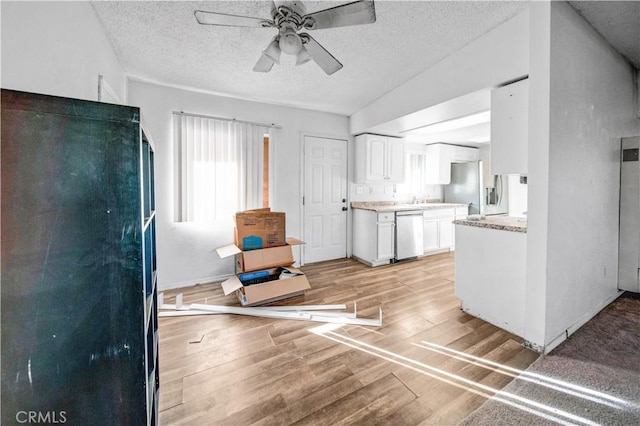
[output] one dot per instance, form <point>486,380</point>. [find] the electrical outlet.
<point>359,190</point>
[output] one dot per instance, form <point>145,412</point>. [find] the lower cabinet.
<point>460,213</point>
<point>374,239</point>
<point>431,232</point>
<point>446,232</point>
<point>438,228</point>
<point>386,239</point>
<point>374,234</point>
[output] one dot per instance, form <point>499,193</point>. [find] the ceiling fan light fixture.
<point>290,42</point>
<point>289,17</point>
<point>302,57</point>
<point>273,51</point>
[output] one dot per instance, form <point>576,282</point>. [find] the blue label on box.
<point>251,242</point>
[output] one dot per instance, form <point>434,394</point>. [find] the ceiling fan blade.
<point>320,55</point>
<point>356,13</point>
<point>226,20</point>
<point>264,64</point>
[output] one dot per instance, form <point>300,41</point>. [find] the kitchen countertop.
<point>501,223</point>
<point>390,206</point>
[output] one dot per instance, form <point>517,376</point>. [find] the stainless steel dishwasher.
<point>409,241</point>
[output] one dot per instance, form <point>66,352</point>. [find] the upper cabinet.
<point>379,158</point>
<point>438,159</point>
<point>509,128</point>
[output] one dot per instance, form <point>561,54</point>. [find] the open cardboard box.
<point>259,229</point>
<point>255,260</point>
<point>258,294</point>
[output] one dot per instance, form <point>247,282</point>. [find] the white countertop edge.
<point>405,207</point>
<point>510,224</point>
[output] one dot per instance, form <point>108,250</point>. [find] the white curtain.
<point>219,166</point>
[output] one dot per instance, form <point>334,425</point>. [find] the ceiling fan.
<point>289,17</point>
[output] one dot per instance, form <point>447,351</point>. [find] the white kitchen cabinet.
<point>446,232</point>
<point>437,166</point>
<point>438,229</point>
<point>386,240</point>
<point>510,128</point>
<point>459,213</point>
<point>430,234</point>
<point>374,240</point>
<point>396,160</point>
<point>379,159</point>
<point>438,159</point>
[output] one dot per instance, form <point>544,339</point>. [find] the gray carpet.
<point>591,378</point>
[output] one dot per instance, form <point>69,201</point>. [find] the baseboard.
<point>437,251</point>
<point>576,325</point>
<point>190,283</point>
<point>372,264</point>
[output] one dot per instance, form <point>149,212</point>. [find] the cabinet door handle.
<point>344,209</point>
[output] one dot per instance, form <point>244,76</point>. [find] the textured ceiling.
<point>616,21</point>
<point>162,42</point>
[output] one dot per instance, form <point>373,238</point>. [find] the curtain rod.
<point>275,126</point>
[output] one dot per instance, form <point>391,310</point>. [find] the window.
<point>221,167</point>
<point>414,174</point>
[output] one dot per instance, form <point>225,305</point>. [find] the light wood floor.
<point>225,369</point>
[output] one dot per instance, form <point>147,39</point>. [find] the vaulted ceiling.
<point>162,42</point>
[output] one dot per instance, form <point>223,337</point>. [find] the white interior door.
<point>325,199</point>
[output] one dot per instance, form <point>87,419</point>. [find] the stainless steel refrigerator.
<point>467,187</point>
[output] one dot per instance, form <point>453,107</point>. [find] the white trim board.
<point>206,280</point>
<point>346,318</point>
<point>576,325</point>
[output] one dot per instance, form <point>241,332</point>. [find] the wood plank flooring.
<point>415,369</point>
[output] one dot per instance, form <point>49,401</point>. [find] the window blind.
<point>218,167</point>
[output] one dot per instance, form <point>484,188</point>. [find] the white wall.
<point>186,251</point>
<point>538,173</point>
<point>592,108</point>
<point>582,104</point>
<point>499,56</point>
<point>57,48</point>
<point>391,192</point>
<point>396,193</point>
<point>494,58</point>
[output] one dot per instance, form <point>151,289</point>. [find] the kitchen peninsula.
<point>387,231</point>
<point>491,266</point>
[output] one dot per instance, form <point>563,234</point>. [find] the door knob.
<point>344,200</point>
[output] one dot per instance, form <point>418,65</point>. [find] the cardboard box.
<point>259,229</point>
<point>271,291</point>
<point>280,258</point>
<point>255,260</point>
